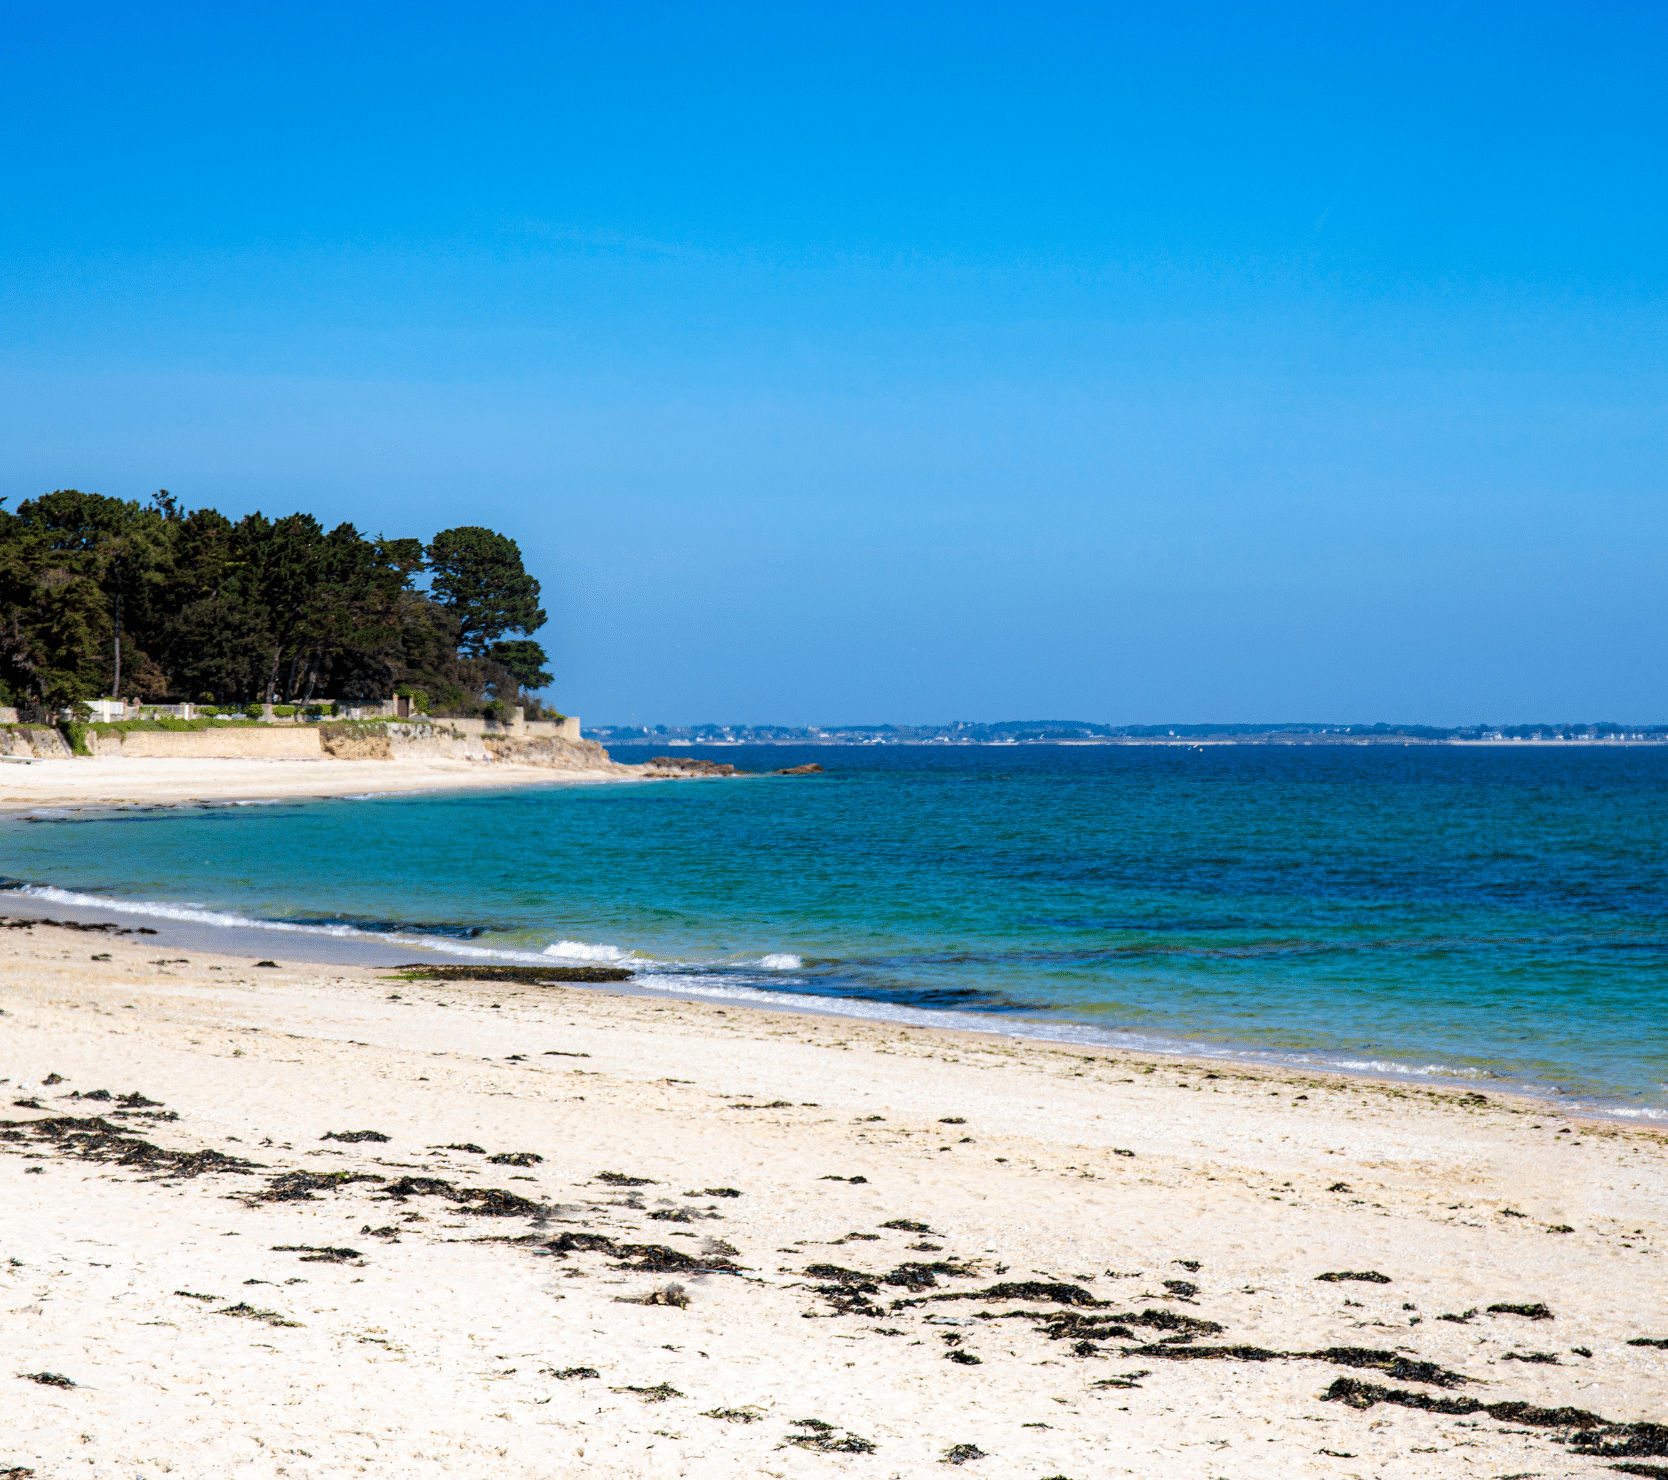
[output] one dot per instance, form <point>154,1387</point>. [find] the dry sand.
<point>109,781</point>
<point>1014,1242</point>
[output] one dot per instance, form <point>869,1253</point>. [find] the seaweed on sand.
<point>659,1393</point>
<point>1366,1276</point>
<point>1535,1312</point>
<point>488,1202</point>
<point>621,1179</point>
<point>249,1313</point>
<point>820,1438</point>
<point>300,1186</point>
<point>354,1137</point>
<point>640,1258</point>
<point>319,1255</point>
<point>94,1138</point>
<point>532,976</point>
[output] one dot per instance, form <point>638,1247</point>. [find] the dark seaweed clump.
<point>48,1379</point>
<point>354,1136</point>
<point>516,1159</point>
<point>300,1186</point>
<point>1368,1276</point>
<point>1535,1312</point>
<point>620,1179</point>
<point>488,1202</point>
<point>907,1225</point>
<point>531,976</point>
<point>820,1439</point>
<point>641,1258</point>
<point>959,1454</point>
<point>96,1139</point>
<point>317,1255</point>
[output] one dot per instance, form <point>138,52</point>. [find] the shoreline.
<point>87,781</point>
<point>557,1232</point>
<point>351,949</point>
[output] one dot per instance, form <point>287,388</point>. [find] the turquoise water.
<point>1422,910</point>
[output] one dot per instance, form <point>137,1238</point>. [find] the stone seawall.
<point>228,742</point>
<point>34,742</point>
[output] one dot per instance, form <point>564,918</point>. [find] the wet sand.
<point>613,1236</point>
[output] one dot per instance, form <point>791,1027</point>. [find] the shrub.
<point>283,711</point>
<point>252,711</point>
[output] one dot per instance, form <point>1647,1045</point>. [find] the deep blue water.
<point>1487,912</point>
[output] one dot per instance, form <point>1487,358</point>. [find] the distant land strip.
<point>1082,732</point>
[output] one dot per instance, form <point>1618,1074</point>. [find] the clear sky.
<point>840,363</point>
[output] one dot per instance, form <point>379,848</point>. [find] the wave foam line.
<point>227,920</point>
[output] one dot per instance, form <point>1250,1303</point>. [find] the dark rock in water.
<point>689,766</point>
<point>811,770</point>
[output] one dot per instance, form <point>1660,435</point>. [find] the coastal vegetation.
<point>151,602</point>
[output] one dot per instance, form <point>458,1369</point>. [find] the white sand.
<point>436,1354</point>
<point>153,781</point>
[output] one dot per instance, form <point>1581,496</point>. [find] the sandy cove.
<point>901,1249</point>
<point>161,782</point>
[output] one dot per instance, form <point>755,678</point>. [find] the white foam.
<point>781,961</point>
<point>198,915</point>
<point>579,950</point>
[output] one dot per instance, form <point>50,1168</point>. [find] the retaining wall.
<point>223,742</point>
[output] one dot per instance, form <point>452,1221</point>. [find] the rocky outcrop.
<point>33,742</point>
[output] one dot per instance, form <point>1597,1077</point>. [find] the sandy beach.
<point>152,781</point>
<point>596,1234</point>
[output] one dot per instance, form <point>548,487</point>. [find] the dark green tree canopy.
<point>524,658</point>
<point>480,580</point>
<point>216,610</point>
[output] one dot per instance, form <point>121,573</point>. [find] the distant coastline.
<point>1606,735</point>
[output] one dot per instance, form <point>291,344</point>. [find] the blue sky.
<point>870,363</point>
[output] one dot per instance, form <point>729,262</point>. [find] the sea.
<point>1443,914</point>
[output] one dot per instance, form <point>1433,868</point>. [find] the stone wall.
<point>34,742</point>
<point>222,742</point>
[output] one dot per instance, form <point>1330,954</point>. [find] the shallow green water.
<point>1497,912</point>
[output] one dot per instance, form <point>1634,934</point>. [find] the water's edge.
<point>179,928</point>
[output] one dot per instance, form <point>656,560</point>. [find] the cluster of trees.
<point>109,597</point>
